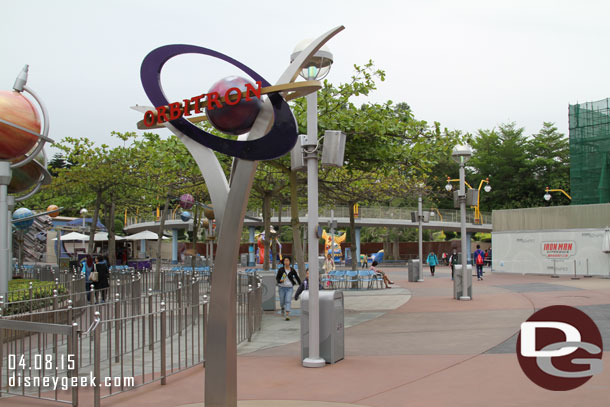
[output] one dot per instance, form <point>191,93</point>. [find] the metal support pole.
<point>163,343</point>
<point>332,235</point>
<point>174,246</point>
<point>420,219</point>
<point>314,359</point>
<point>5,179</point>
<point>11,207</point>
<point>462,197</point>
<point>357,258</point>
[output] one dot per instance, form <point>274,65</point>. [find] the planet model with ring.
<point>186,201</point>
<point>236,115</point>
<point>20,214</point>
<point>277,141</point>
<point>17,109</point>
<point>25,177</point>
<point>185,216</point>
<point>54,210</point>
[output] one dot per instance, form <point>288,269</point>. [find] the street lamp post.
<point>83,213</point>
<point>547,195</point>
<point>317,68</point>
<point>462,154</point>
<point>477,207</point>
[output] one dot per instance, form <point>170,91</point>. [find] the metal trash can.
<point>268,283</point>
<point>332,340</point>
<point>457,281</point>
<point>244,260</point>
<point>413,270</point>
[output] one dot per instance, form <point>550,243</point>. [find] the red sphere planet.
<point>17,109</point>
<point>233,119</point>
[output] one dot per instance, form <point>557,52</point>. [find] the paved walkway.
<point>428,351</point>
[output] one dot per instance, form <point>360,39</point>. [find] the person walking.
<point>453,260</point>
<point>479,261</point>
<point>86,269</point>
<point>432,261</point>
<point>103,276</point>
<point>286,279</point>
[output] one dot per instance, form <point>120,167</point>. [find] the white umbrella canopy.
<point>144,235</point>
<point>103,237</point>
<point>74,236</point>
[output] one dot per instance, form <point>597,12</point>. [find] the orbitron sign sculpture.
<point>229,198</point>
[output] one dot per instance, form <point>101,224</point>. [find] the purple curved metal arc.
<point>278,141</point>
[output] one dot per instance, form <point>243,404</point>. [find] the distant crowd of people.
<point>97,274</point>
<point>480,258</point>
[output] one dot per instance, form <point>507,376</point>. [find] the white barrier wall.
<point>541,252</point>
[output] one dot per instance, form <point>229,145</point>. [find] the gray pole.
<point>420,218</point>
<point>462,197</point>
<point>5,180</point>
<point>314,359</point>
<point>10,200</point>
<point>332,235</point>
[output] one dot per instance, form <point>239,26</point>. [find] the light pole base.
<point>465,298</point>
<point>311,362</point>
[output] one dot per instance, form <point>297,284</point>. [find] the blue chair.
<point>336,278</point>
<point>367,277</point>
<point>351,277</point>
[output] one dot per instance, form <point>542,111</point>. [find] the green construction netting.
<point>589,152</point>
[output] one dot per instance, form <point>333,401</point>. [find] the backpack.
<point>479,259</point>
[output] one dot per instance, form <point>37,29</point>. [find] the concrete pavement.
<point>411,347</point>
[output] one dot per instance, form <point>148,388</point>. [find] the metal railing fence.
<point>144,327</point>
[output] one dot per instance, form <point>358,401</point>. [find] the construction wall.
<point>549,251</point>
<point>551,239</point>
<point>552,218</point>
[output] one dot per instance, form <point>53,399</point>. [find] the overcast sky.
<point>467,64</point>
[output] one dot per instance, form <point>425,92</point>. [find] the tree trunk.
<point>111,236</point>
<point>267,223</point>
<point>159,244</point>
<point>386,242</point>
<point>396,247</point>
<point>96,213</point>
<point>297,245</point>
<point>275,243</point>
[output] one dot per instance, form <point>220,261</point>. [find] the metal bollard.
<point>97,360</point>
<point>588,275</point>
<point>249,313</point>
<point>151,320</point>
<point>163,343</point>
<point>117,326</point>
<point>575,278</point>
<point>31,298</point>
<point>205,328</point>
<point>74,351</point>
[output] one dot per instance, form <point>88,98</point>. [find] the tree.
<point>549,153</point>
<point>269,181</point>
<point>519,168</point>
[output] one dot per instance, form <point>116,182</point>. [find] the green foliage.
<point>518,167</point>
<point>19,294</point>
